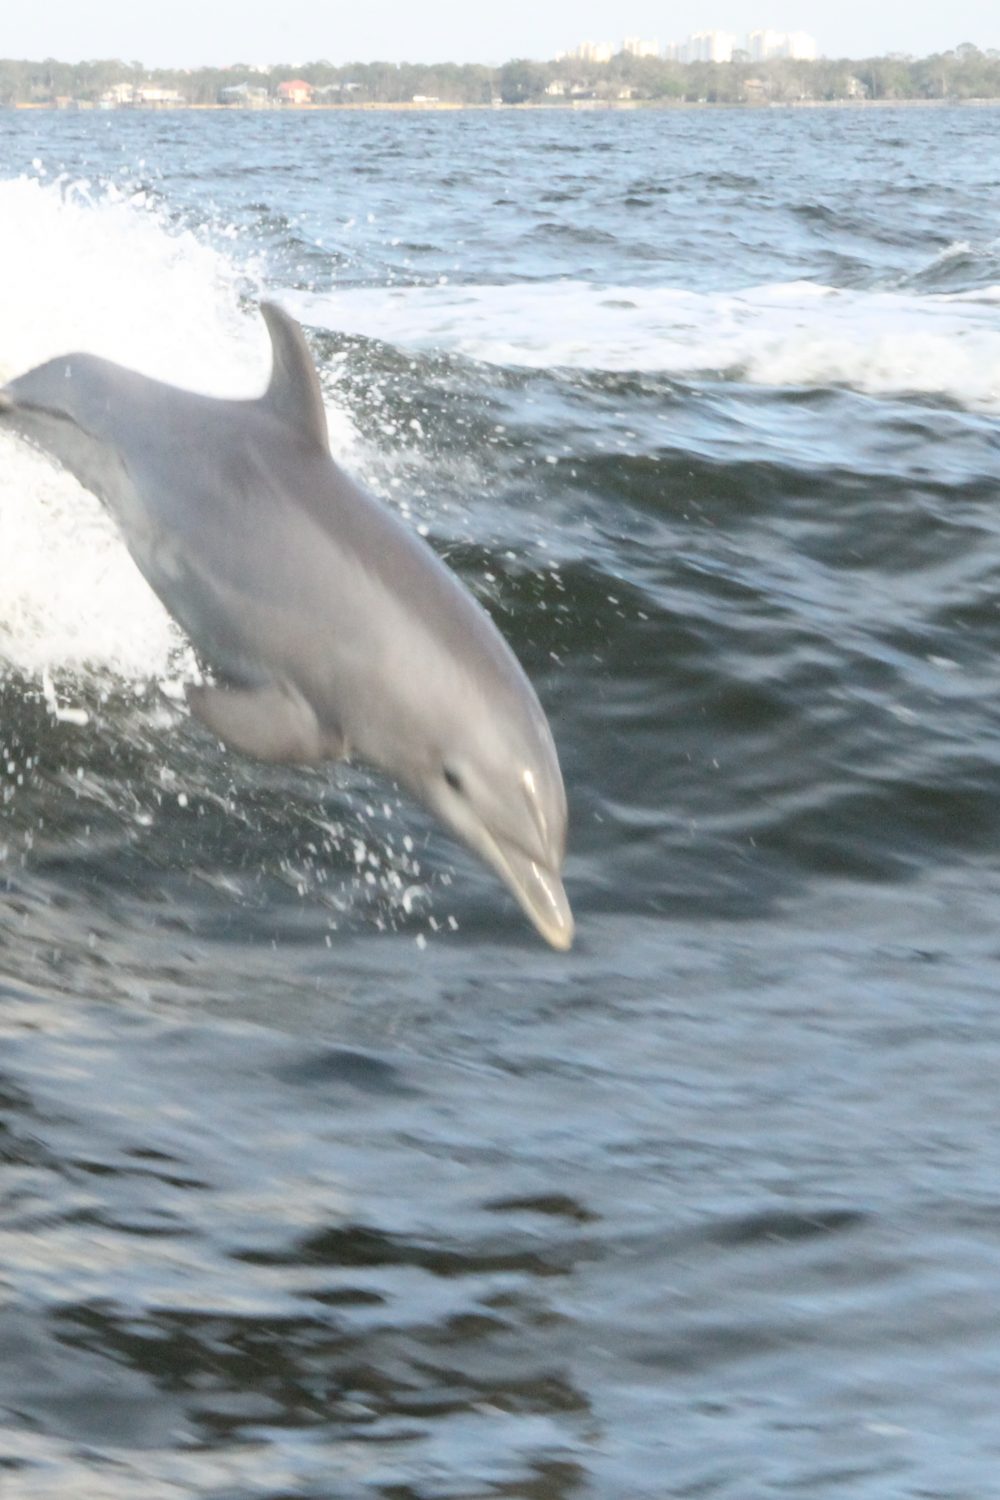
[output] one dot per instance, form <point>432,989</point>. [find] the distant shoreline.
<point>624,81</point>
<point>581,106</point>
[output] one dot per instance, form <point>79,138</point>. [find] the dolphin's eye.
<point>453,779</point>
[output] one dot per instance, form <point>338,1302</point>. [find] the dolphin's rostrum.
<point>330,628</point>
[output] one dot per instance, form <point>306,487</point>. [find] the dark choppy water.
<point>320,1176</point>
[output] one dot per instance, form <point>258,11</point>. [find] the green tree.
<point>522,81</point>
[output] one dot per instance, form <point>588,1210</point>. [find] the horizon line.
<point>325,62</point>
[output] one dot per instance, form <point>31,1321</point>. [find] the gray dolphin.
<point>331,629</point>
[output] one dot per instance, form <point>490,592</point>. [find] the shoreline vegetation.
<point>965,75</point>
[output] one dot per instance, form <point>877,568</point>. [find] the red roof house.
<point>295,91</point>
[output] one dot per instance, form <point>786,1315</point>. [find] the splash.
<point>73,602</point>
<point>88,267</point>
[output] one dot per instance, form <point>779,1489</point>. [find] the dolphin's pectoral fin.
<point>273,722</point>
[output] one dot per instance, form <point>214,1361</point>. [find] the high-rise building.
<point>594,52</point>
<point>763,44</point>
<point>703,46</point>
<point>706,46</point>
<point>766,43</point>
<point>638,46</point>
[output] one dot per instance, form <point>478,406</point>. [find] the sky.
<point>193,33</point>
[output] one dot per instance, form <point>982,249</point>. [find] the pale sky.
<point>189,33</point>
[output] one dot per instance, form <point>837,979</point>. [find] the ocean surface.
<point>320,1176</point>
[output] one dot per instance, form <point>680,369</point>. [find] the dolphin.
<point>330,630</point>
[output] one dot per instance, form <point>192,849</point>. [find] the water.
<point>321,1176</point>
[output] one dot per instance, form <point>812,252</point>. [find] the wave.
<point>944,346</point>
<point>961,267</point>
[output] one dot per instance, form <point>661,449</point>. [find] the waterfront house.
<point>245,95</point>
<point>295,91</point>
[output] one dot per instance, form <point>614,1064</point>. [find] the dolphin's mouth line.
<point>502,843</point>
<point>9,403</point>
<point>541,894</point>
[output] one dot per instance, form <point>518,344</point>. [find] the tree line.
<point>963,73</point>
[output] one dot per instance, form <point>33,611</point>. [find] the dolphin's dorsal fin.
<point>294,392</point>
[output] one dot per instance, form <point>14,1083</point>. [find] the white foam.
<point>71,599</point>
<point>82,268</point>
<point>95,270</point>
<point>795,333</point>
